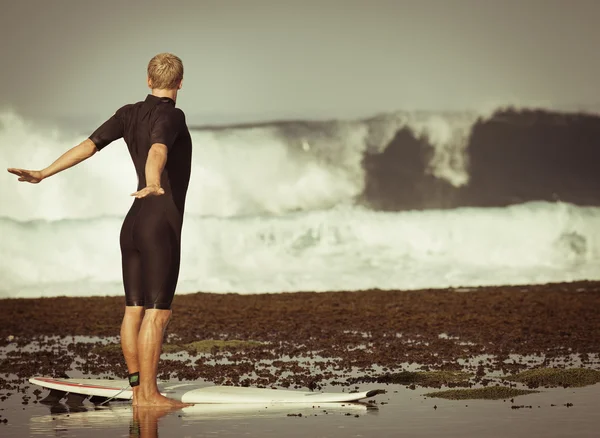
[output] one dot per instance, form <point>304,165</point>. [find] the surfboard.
<point>194,392</point>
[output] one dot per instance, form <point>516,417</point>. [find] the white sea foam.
<point>338,249</point>
<point>271,209</point>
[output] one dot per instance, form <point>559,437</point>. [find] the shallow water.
<point>400,411</point>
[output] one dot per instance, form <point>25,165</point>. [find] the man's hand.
<point>151,190</point>
<point>73,156</point>
<point>30,176</point>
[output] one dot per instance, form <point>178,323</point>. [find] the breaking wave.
<point>397,201</point>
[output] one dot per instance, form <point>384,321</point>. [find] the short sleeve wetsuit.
<point>151,233</point>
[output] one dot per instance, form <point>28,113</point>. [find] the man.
<point>160,145</point>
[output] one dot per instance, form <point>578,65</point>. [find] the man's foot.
<point>158,400</point>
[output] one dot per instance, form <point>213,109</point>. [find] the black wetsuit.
<point>151,233</point>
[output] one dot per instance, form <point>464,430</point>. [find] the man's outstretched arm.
<point>73,156</point>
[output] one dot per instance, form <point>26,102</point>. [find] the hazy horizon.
<point>266,60</point>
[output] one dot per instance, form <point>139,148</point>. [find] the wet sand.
<point>322,341</point>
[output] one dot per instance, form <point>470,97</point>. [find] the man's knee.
<point>160,317</point>
<point>134,312</point>
<point>134,309</point>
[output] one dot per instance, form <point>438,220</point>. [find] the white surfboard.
<point>195,393</point>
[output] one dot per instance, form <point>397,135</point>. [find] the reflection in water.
<point>101,421</point>
<point>144,423</point>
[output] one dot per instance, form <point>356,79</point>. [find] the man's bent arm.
<point>157,158</point>
<point>73,156</point>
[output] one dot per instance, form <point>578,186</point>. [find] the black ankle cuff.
<point>134,379</point>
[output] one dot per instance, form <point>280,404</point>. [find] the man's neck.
<point>159,92</point>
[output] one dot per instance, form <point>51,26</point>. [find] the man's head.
<point>165,72</point>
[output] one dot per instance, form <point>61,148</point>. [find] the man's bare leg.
<point>149,347</point>
<point>130,328</point>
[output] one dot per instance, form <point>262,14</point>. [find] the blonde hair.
<point>165,71</point>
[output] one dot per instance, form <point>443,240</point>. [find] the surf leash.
<point>133,380</point>
<point>109,399</point>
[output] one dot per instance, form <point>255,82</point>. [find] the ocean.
<point>405,200</point>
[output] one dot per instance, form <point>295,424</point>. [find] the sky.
<point>256,60</point>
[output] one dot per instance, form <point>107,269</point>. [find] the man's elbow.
<point>89,148</point>
<point>157,155</point>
